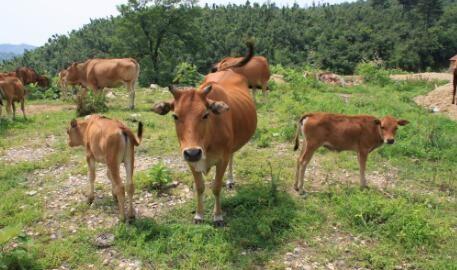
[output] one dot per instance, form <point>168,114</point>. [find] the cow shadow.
<point>258,220</point>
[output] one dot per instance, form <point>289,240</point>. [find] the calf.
<point>112,143</point>
<point>338,132</point>
<point>12,90</point>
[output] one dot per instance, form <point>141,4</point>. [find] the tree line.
<point>415,35</point>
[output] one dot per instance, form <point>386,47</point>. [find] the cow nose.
<point>192,154</point>
<point>390,141</point>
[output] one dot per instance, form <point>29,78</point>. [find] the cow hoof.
<point>131,219</point>
<point>218,223</point>
<point>230,185</point>
<point>90,200</point>
<point>198,221</point>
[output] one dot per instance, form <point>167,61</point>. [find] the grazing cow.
<point>28,75</point>
<point>212,123</point>
<point>12,90</point>
<point>256,71</point>
<point>454,85</point>
<point>338,132</point>
<point>112,143</point>
<point>97,74</point>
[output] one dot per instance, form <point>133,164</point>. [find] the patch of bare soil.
<point>29,152</point>
<point>66,210</point>
<point>428,76</point>
<point>46,108</point>
<point>439,101</point>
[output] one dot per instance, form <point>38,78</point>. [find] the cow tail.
<point>139,134</point>
<point>298,131</point>
<point>245,59</point>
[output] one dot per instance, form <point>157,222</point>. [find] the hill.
<point>9,51</point>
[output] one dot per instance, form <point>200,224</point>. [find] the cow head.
<point>193,113</point>
<point>388,126</point>
<point>72,74</point>
<point>43,81</point>
<point>75,133</point>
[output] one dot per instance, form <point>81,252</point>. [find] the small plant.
<point>90,102</point>
<point>155,178</point>
<point>373,72</point>
<point>36,92</point>
<point>187,74</point>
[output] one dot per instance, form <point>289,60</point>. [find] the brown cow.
<point>97,74</point>
<point>28,75</point>
<point>338,132</point>
<point>12,90</point>
<point>212,123</point>
<point>256,71</point>
<point>112,143</point>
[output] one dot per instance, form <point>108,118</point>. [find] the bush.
<point>90,102</point>
<point>373,72</point>
<point>187,74</point>
<point>155,178</point>
<point>36,92</point>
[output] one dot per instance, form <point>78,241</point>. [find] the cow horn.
<point>173,90</point>
<point>207,89</point>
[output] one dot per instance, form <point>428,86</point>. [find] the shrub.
<point>373,72</point>
<point>90,102</point>
<point>36,92</point>
<point>155,178</point>
<point>187,74</point>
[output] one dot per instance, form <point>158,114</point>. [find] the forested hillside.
<point>410,34</point>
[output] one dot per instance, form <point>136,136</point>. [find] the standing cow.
<point>29,75</point>
<point>256,71</point>
<point>12,90</point>
<point>112,143</point>
<point>338,132</point>
<point>97,74</point>
<point>212,123</point>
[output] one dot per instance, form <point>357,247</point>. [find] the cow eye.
<point>175,116</point>
<point>383,127</point>
<point>205,116</point>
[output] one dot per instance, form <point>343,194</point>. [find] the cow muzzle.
<point>192,154</point>
<point>390,141</point>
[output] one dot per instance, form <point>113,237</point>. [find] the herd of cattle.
<point>212,122</point>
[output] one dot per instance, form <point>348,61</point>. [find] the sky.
<point>34,21</point>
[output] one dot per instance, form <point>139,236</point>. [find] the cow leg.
<point>302,162</point>
<point>131,89</point>
<point>200,189</point>
<point>91,165</point>
<point>9,106</point>
<point>129,164</point>
<point>14,109</point>
<point>362,156</point>
<point>23,107</point>
<point>230,182</point>
<point>218,220</point>
<point>264,88</point>
<point>119,188</point>
<point>254,89</point>
<point>110,177</point>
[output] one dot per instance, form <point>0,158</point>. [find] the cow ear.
<point>218,107</point>
<point>163,108</point>
<point>73,123</point>
<point>377,122</point>
<point>402,122</point>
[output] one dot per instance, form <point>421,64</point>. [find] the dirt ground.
<point>423,76</point>
<point>439,101</point>
<point>42,108</point>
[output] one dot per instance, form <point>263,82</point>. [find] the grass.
<point>410,224</point>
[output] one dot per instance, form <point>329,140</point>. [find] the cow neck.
<point>83,128</point>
